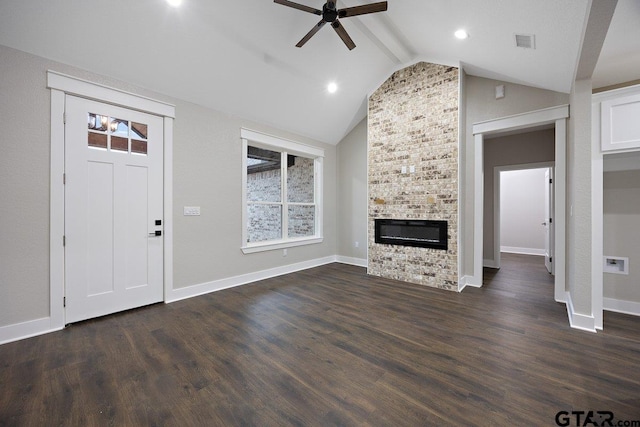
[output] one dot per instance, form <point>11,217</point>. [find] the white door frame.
<point>60,86</point>
<point>496,201</point>
<point>558,117</point>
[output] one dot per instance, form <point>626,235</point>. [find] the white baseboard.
<point>243,279</point>
<point>579,321</point>
<point>360,262</point>
<point>621,306</point>
<point>468,281</point>
<point>489,263</point>
<point>523,251</point>
<point>31,328</point>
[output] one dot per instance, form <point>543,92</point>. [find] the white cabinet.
<point>620,122</point>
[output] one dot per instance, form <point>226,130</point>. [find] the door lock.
<point>156,233</point>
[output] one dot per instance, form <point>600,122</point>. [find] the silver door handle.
<point>544,223</point>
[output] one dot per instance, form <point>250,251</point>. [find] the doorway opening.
<point>522,214</point>
<point>555,117</point>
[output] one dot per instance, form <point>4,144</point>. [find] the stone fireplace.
<point>413,171</point>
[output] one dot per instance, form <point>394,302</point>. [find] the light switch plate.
<point>191,211</point>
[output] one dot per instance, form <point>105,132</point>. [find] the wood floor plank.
<point>330,346</point>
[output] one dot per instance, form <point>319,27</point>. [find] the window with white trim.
<point>281,193</point>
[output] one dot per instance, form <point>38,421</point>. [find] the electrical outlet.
<point>284,252</point>
<point>356,244</point>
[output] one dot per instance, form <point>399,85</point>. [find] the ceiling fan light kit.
<point>331,14</point>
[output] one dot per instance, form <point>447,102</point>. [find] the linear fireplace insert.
<point>412,232</point>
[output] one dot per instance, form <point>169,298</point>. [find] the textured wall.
<point>413,121</point>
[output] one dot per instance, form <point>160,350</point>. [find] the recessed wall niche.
<point>413,170</point>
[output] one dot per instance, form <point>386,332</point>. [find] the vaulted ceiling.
<point>239,57</point>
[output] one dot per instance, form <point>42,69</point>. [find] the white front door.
<point>113,209</point>
<point>548,221</point>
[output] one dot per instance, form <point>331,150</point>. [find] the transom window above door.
<point>282,193</point>
<point>114,134</point>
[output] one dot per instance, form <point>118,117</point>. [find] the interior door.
<point>113,209</point>
<point>548,222</point>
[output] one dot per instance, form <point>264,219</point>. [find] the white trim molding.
<point>467,281</point>
<point>522,121</point>
<point>583,322</point>
<point>60,86</point>
<point>31,328</point>
<point>359,262</point>
<point>75,86</point>
<point>524,251</point>
<point>622,306</point>
<point>284,147</point>
<point>243,279</point>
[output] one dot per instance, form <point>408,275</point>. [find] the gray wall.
<point>530,147</point>
<point>579,199</point>
<point>207,173</point>
<point>621,230</point>
<point>24,188</point>
<point>352,193</point>
<point>481,106</point>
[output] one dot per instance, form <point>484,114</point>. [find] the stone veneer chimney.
<point>413,121</point>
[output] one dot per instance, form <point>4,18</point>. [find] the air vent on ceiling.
<point>527,41</point>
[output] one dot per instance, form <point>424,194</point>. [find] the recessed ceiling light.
<point>174,3</point>
<point>332,87</point>
<point>461,34</point>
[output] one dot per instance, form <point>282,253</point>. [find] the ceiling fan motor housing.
<point>329,12</point>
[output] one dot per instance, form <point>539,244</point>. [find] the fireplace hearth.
<point>412,232</point>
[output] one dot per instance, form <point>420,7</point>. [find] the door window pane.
<point>119,144</point>
<point>138,138</point>
<point>97,135</point>
<point>97,140</point>
<point>97,122</point>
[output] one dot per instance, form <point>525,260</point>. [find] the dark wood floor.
<point>330,346</point>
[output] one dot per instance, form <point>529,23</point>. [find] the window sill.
<point>281,244</point>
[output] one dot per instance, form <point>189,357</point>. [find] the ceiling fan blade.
<point>299,6</point>
<point>311,33</point>
<point>343,34</point>
<point>361,10</point>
